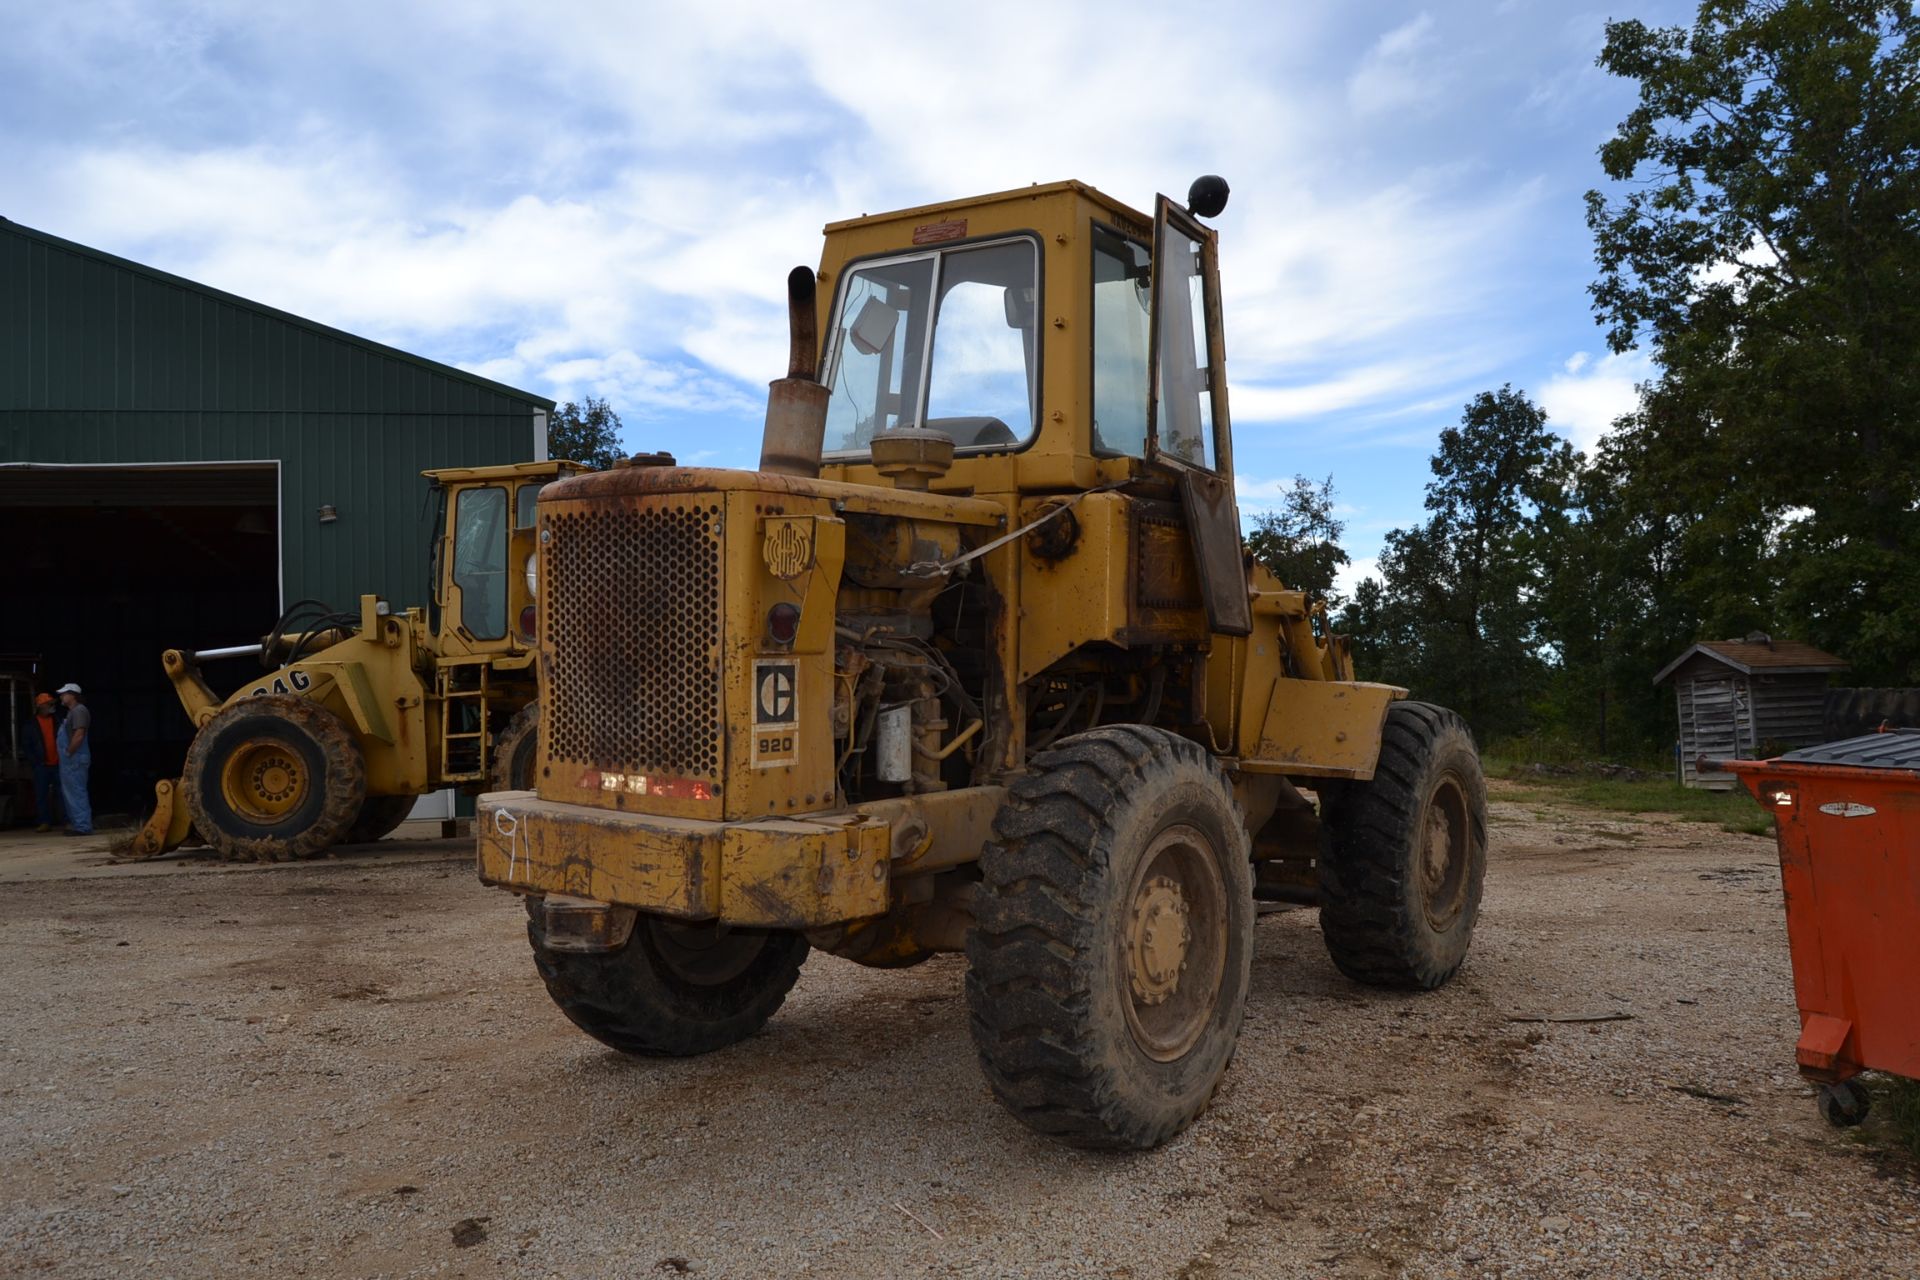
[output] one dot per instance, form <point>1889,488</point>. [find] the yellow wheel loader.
<point>974,662</point>
<point>358,715</point>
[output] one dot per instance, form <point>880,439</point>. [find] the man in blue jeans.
<point>76,757</point>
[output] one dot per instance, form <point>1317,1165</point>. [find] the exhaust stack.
<point>796,404</point>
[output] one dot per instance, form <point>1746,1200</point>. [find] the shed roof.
<point>285,317</point>
<point>1774,657</point>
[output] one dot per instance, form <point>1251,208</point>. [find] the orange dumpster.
<point>1847,816</point>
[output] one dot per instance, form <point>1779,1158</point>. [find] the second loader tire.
<point>516,750</point>
<point>1108,964</point>
<point>379,815</point>
<point>274,778</point>
<point>674,990</point>
<point>1404,856</point>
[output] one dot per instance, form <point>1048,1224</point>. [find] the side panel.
<point>1320,728</point>
<point>1074,569</point>
<point>786,550</point>
<point>1123,571</point>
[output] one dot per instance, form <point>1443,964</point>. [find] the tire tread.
<point>1038,925</point>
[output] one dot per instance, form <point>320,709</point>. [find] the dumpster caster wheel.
<point>1845,1104</point>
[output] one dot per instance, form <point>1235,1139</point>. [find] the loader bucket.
<point>169,826</point>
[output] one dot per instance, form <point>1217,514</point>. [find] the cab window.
<point>526,505</point>
<point>946,340</point>
<point>1183,418</point>
<point>1121,330</point>
<point>480,560</point>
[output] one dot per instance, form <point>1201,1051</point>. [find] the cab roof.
<point>507,471</point>
<point>1038,191</point>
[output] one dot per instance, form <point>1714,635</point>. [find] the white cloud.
<point>604,198</point>
<point>1583,402</point>
<point>1348,579</point>
<point>1392,76</point>
<point>1255,493</point>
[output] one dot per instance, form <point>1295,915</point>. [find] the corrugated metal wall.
<point>103,361</point>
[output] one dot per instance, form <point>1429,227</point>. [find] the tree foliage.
<point>1769,253</point>
<point>1458,611</point>
<point>588,433</point>
<point>1763,242</point>
<point>1299,541</point>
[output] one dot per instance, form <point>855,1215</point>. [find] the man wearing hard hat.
<point>76,757</point>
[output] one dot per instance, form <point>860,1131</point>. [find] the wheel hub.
<point>1160,938</point>
<point>263,781</point>
<point>1171,944</point>
<point>1437,852</point>
<point>273,781</point>
<point>1445,852</point>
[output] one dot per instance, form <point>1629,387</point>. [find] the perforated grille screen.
<point>631,601</point>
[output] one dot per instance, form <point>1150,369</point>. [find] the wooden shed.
<point>1738,697</point>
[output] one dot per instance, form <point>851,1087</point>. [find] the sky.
<point>604,198</point>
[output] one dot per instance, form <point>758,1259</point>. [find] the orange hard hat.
<point>42,699</point>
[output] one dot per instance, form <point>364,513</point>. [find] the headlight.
<point>533,574</point>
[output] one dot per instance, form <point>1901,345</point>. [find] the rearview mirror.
<point>1018,302</point>
<point>873,327</point>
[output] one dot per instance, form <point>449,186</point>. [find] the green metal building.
<point>177,465</point>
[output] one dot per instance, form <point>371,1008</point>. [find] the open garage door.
<point>102,568</point>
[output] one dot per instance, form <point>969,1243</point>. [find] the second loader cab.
<point>485,557</point>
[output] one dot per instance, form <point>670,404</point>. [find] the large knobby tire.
<point>516,750</point>
<point>1113,938</point>
<point>1404,856</point>
<point>274,778</point>
<point>674,989</point>
<point>379,815</point>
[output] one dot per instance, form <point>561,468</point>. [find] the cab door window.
<point>480,561</point>
<point>1184,410</point>
<point>1121,332</point>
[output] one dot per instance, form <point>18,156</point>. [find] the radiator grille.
<point>632,638</point>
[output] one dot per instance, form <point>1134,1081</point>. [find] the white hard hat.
<point>69,687</point>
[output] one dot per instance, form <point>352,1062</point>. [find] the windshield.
<point>943,340</point>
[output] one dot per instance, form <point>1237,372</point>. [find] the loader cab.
<point>1061,339</point>
<point>485,558</point>
<point>1024,325</point>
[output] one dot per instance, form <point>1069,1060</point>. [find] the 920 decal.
<point>776,714</point>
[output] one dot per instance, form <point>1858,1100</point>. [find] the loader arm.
<point>190,686</point>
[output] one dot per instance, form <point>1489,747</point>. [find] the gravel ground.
<point>343,1069</point>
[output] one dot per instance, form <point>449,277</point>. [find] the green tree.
<point>1458,614</point>
<point>588,433</point>
<point>1299,541</point>
<point>1767,248</point>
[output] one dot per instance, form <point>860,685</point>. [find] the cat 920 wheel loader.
<point>974,662</point>
<point>360,714</point>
